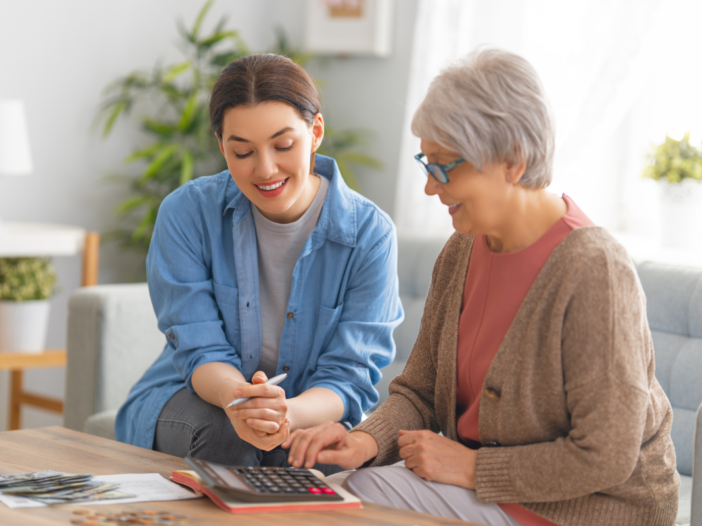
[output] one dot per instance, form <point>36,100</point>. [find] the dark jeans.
<point>190,427</point>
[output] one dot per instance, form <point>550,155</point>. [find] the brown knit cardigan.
<point>574,424</point>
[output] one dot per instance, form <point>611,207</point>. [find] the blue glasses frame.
<point>437,171</point>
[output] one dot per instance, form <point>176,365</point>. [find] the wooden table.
<point>21,239</point>
<point>65,450</point>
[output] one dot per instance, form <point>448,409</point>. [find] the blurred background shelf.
<point>26,239</point>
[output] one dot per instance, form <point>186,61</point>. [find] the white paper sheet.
<point>148,487</point>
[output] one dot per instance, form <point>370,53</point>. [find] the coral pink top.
<point>496,286</point>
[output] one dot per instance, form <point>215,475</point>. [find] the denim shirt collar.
<point>337,221</point>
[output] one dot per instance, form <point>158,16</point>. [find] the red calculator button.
<point>328,491</point>
<point>315,490</point>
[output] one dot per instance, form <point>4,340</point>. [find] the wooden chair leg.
<point>91,259</point>
<point>15,399</point>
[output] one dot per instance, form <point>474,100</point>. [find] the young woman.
<point>272,266</point>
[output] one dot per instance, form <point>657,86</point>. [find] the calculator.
<point>264,484</point>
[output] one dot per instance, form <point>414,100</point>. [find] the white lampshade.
<point>15,158</point>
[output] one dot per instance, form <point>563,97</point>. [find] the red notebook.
<point>232,505</point>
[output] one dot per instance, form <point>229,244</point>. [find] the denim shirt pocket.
<point>326,325</point>
<point>228,303</point>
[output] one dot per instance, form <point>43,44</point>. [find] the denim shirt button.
<point>286,368</point>
<point>291,315</point>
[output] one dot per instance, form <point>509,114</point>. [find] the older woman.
<point>534,358</point>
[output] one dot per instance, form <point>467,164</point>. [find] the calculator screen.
<point>227,476</point>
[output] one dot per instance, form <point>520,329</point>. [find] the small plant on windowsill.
<point>677,165</point>
<point>26,284</point>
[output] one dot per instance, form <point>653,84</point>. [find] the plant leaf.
<point>200,17</point>
<point>117,110</point>
<point>145,225</point>
<point>159,128</point>
<point>131,203</point>
<point>188,112</point>
<point>186,169</point>
<point>176,70</point>
<point>152,169</point>
<point>143,153</point>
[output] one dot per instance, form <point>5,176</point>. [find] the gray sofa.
<point>112,339</point>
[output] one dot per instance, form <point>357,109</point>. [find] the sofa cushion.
<point>674,310</point>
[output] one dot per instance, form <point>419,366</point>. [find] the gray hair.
<point>490,106</point>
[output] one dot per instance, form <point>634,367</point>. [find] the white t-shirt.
<point>279,247</point>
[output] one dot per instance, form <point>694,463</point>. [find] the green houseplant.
<point>677,165</point>
<point>674,161</point>
<point>26,284</point>
<point>181,145</point>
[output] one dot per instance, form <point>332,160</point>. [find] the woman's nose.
<point>266,166</point>
<point>433,187</point>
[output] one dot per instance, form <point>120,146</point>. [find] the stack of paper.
<point>53,487</point>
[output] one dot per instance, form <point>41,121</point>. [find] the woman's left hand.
<point>267,409</point>
<point>437,458</point>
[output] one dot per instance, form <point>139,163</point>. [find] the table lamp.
<point>15,158</point>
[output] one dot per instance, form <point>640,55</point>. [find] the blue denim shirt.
<point>202,271</point>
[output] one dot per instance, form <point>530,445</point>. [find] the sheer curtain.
<point>598,60</point>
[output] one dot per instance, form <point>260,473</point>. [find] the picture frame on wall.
<point>349,27</point>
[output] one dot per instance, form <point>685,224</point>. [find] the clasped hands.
<point>263,420</point>
<point>428,454</point>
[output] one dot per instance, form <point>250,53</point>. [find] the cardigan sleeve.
<point>605,352</point>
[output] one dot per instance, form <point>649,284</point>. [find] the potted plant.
<point>26,284</point>
<point>677,165</point>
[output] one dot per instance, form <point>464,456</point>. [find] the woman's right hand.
<point>255,437</point>
<point>330,443</point>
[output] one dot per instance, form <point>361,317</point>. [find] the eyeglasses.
<point>438,171</point>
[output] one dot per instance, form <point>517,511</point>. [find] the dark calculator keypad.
<point>290,482</point>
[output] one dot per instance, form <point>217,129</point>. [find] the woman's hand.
<point>261,421</point>
<point>330,443</point>
<point>438,459</point>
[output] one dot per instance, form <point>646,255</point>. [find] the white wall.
<point>58,56</point>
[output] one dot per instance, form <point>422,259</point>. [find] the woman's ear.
<point>515,171</point>
<point>219,141</point>
<point>317,131</point>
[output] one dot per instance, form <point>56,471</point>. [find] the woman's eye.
<point>243,155</point>
<point>285,149</point>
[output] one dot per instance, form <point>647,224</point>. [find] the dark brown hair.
<point>251,80</point>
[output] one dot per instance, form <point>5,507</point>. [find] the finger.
<point>275,439</point>
<point>260,414</point>
<point>330,436</point>
<point>408,437</point>
<point>259,377</point>
<point>259,391</point>
<point>288,441</point>
<point>266,426</point>
<point>299,448</point>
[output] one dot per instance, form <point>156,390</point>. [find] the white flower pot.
<point>681,214</point>
<point>23,326</point>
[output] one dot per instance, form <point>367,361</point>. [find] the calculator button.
<point>328,491</point>
<point>289,490</point>
<point>301,490</point>
<point>274,489</point>
<point>314,490</point>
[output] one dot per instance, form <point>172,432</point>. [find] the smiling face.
<point>478,202</point>
<point>268,149</point>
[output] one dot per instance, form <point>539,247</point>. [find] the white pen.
<point>273,381</point>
